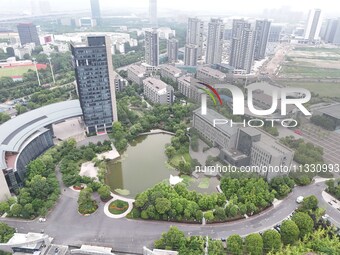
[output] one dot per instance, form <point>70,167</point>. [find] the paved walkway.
<point>114,198</point>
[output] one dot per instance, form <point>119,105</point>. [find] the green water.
<point>141,166</point>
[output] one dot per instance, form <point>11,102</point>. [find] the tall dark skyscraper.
<point>152,47</point>
<point>153,12</point>
<point>262,28</point>
<point>215,42</point>
<point>95,10</point>
<point>95,83</point>
<point>28,33</point>
<point>242,46</point>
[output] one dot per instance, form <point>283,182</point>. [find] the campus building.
<point>243,146</point>
<point>188,88</point>
<point>95,83</point>
<point>136,74</point>
<point>157,91</point>
<point>28,33</point>
<point>170,72</point>
<point>332,112</point>
<point>208,74</point>
<point>26,137</point>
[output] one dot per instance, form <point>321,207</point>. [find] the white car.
<point>299,199</point>
<point>42,219</point>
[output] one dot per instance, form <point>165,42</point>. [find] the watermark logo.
<point>239,99</point>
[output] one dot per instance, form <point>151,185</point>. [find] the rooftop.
<point>137,69</point>
<point>212,72</point>
<point>185,79</point>
<point>211,116</point>
<point>331,110</point>
<point>171,69</point>
<point>16,131</point>
<point>155,83</point>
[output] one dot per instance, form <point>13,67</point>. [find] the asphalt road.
<point>68,227</point>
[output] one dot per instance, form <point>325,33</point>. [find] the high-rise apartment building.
<point>313,25</point>
<point>172,50</point>
<point>215,42</point>
<point>195,31</point>
<point>242,47</point>
<point>95,83</point>
<point>332,31</point>
<point>262,28</point>
<point>28,33</point>
<point>190,55</point>
<point>152,47</point>
<point>95,10</point>
<point>153,12</point>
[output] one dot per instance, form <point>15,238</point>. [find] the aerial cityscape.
<point>159,127</point>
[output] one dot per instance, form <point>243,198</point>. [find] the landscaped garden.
<point>118,207</point>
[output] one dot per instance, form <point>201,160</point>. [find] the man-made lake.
<point>141,166</point>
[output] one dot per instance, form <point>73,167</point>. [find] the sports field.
<point>19,70</point>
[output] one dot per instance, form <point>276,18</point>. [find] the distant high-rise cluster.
<point>28,33</point>
<point>153,12</point>
<point>172,50</point>
<point>152,47</point>
<point>313,25</point>
<point>95,10</point>
<point>215,42</point>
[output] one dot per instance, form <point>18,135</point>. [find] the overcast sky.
<point>240,6</point>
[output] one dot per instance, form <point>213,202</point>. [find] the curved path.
<point>69,228</point>
<point>114,198</point>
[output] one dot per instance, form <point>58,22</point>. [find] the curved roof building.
<point>26,137</point>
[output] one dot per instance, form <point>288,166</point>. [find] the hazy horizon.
<point>141,6</point>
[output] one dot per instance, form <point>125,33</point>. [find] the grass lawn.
<point>204,183</point>
<point>15,71</point>
<point>313,49</point>
<point>323,89</point>
<point>177,158</point>
<point>118,207</point>
<point>123,192</point>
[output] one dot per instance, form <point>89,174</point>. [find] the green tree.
<point>254,244</point>
<point>304,222</point>
<point>209,216</point>
<point>235,245</point>
<point>174,239</point>
<point>162,205</point>
<point>309,203</point>
<point>104,192</point>
<point>89,154</point>
<point>271,241</point>
<point>6,232</point>
<point>289,232</point>
<point>4,207</point>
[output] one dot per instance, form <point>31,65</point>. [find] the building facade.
<point>28,33</point>
<point>137,74</point>
<point>243,46</point>
<point>188,89</point>
<point>190,55</point>
<point>172,50</point>
<point>157,91</point>
<point>262,28</point>
<point>95,83</point>
<point>332,31</point>
<point>194,36</point>
<point>215,42</point>
<point>275,33</point>
<point>210,75</point>
<point>152,48</point>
